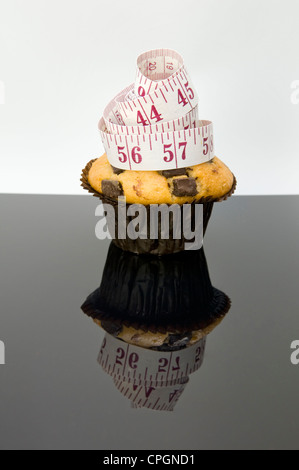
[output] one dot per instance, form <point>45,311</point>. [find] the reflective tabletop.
<point>56,394</point>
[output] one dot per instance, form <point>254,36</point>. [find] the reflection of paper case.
<point>173,293</point>
<point>151,379</point>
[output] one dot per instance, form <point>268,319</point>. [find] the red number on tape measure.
<point>189,90</point>
<point>148,391</point>
<point>152,65</point>
<point>155,114</point>
<point>181,98</point>
<point>136,157</point>
<point>197,356</point>
<point>177,361</point>
<point>193,125</point>
<point>183,144</point>
<point>124,157</point>
<point>163,363</point>
<point>103,346</point>
<point>141,91</point>
<point>133,358</point>
<point>121,355</point>
<point>141,119</point>
<point>119,118</point>
<point>170,153</point>
<point>205,146</point>
<point>169,65</point>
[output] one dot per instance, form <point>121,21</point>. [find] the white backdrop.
<point>61,61</point>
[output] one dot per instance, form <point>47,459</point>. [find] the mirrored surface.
<point>54,394</point>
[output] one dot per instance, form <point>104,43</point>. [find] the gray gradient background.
<point>53,393</point>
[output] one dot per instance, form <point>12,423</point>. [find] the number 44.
<point>154,116</point>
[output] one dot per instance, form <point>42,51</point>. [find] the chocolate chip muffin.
<point>212,179</point>
<point>202,184</point>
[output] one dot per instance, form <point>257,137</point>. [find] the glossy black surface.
<point>55,395</point>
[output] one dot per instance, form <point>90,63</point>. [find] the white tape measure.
<point>154,379</point>
<point>153,123</point>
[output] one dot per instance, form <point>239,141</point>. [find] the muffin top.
<point>212,179</point>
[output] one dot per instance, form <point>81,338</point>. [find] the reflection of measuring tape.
<point>153,123</point>
<point>156,398</point>
<point>154,379</point>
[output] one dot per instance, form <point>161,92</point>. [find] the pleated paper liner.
<point>157,246</point>
<point>157,294</point>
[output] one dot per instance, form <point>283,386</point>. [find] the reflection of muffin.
<point>204,184</point>
<point>168,341</point>
<point>168,295</point>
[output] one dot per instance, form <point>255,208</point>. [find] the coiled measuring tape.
<point>163,398</point>
<point>152,379</point>
<point>153,123</point>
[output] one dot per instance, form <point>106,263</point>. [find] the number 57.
<point>168,158</point>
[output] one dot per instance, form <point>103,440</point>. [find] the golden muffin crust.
<point>209,179</point>
<point>147,339</point>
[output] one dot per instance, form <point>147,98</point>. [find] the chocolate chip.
<point>111,328</point>
<point>117,171</point>
<point>112,188</point>
<point>175,172</point>
<point>179,340</point>
<point>174,342</point>
<point>184,187</point>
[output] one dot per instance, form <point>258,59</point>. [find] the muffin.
<point>203,184</point>
<point>207,181</point>
<point>158,153</point>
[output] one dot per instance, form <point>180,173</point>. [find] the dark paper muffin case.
<point>157,246</point>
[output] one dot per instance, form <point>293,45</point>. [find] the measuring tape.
<point>154,379</point>
<point>153,123</point>
<point>162,398</point>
